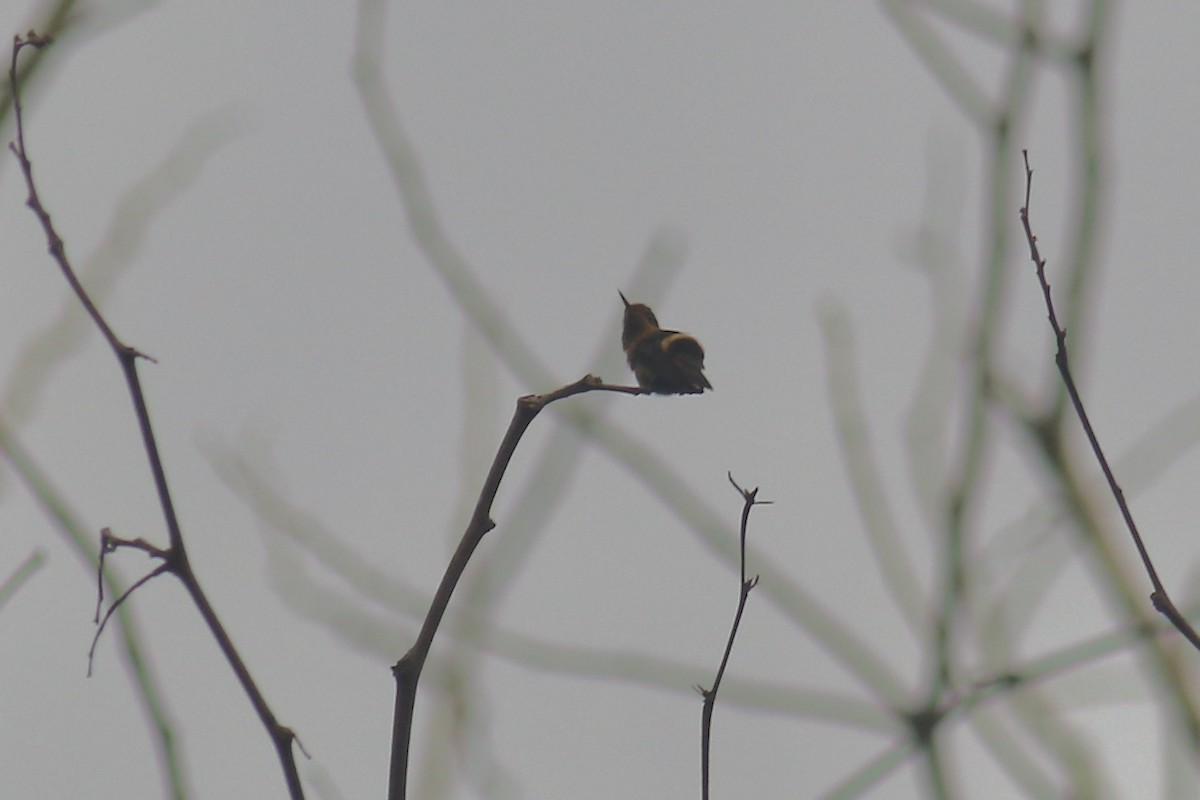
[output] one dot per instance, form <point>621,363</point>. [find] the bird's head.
<point>638,319</point>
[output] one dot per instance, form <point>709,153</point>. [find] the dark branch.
<point>750,500</point>
<point>407,670</point>
<point>175,558</point>
<point>1159,597</point>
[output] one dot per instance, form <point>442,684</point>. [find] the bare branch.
<point>408,669</point>
<point>1159,597</point>
<point>175,559</point>
<point>750,500</point>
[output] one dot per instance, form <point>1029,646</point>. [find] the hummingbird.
<point>663,361</point>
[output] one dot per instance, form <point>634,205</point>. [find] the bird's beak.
<point>623,300</point>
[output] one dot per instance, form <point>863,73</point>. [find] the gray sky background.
<point>782,155</point>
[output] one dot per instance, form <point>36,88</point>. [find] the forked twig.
<point>1159,597</point>
<point>750,500</point>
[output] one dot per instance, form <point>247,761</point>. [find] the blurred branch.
<point>423,220</point>
<point>949,71</point>
<point>872,771</point>
<point>862,469</point>
<point>21,575</point>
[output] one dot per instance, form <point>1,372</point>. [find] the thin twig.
<point>116,604</point>
<point>1159,597</point>
<point>750,500</point>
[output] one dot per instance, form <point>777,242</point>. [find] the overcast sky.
<point>757,173</point>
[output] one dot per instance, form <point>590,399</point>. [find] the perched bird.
<point>664,362</point>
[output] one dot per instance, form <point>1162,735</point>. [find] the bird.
<point>663,361</point>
